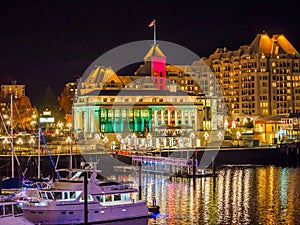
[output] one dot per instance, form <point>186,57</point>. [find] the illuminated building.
<point>18,90</point>
<point>261,79</point>
<point>158,101</point>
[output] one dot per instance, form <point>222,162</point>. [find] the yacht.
<point>11,214</point>
<point>64,202</point>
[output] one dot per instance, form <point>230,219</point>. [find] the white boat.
<point>11,214</point>
<point>107,201</point>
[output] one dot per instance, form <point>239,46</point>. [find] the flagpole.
<point>154,35</point>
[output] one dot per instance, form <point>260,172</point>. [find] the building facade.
<point>158,106</point>
<point>259,80</point>
<point>17,90</point>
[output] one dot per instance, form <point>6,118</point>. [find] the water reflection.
<point>239,195</point>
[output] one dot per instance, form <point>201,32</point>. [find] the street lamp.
<point>19,142</point>
<point>69,141</point>
<point>105,139</point>
<point>31,142</point>
<point>149,136</point>
<point>220,135</point>
<point>97,137</point>
<point>206,135</point>
<point>238,135</point>
<point>134,140</point>
<point>119,137</point>
<point>192,136</point>
<point>5,142</point>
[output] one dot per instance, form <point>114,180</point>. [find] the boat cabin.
<point>9,209</point>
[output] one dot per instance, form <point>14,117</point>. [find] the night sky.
<point>48,44</point>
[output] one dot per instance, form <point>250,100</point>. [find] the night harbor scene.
<point>149,113</point>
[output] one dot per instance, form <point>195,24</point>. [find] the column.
<point>162,114</point>
<point>189,118</point>
<point>92,119</point>
<point>182,117</point>
<point>169,116</point>
<point>96,120</point>
<point>155,119</point>
<point>176,117</point>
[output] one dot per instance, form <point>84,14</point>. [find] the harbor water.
<point>248,194</point>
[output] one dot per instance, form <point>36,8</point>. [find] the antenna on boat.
<point>12,140</point>
<point>10,134</point>
<point>39,153</point>
<point>13,154</point>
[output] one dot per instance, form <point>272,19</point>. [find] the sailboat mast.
<point>39,153</point>
<point>12,140</point>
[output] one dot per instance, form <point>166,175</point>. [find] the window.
<point>108,198</point>
<point>100,198</point>
<point>117,197</point>
<point>8,209</point>
<point>57,195</point>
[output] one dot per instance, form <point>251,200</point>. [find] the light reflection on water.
<point>239,195</point>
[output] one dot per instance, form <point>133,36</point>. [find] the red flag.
<point>151,24</point>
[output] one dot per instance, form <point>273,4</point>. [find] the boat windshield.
<point>66,195</point>
<point>10,209</point>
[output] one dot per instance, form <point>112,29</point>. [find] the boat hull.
<point>74,213</point>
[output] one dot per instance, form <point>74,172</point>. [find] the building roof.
<point>102,74</point>
<point>154,52</point>
<point>262,43</point>
<point>137,92</point>
<point>284,44</point>
<point>278,44</point>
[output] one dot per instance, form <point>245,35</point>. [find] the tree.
<point>49,102</point>
<point>66,101</point>
<point>24,115</point>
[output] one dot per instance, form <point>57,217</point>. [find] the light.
<point>149,136</point>
<point>119,137</point>
<point>5,141</point>
<point>220,135</point>
<point>31,141</point>
<point>59,124</point>
<point>206,135</point>
<point>19,141</point>
<point>238,135</point>
<point>97,137</point>
<point>69,125</point>
<point>105,139</point>
<point>192,135</point>
<point>68,140</point>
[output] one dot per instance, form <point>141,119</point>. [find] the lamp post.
<point>220,135</point>
<point>31,142</point>
<point>97,137</point>
<point>119,137</point>
<point>192,136</point>
<point>69,142</point>
<point>238,135</point>
<point>20,142</point>
<point>206,135</point>
<point>149,136</point>
<point>105,140</point>
<point>134,141</point>
<point>5,142</point>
